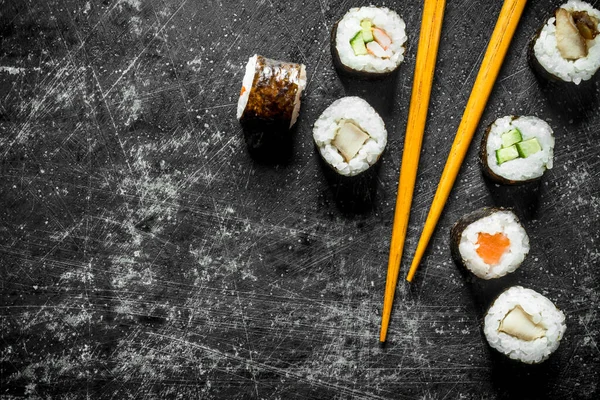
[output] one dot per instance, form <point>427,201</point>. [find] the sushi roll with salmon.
<point>489,242</point>
<point>516,150</point>
<point>524,325</point>
<point>567,47</point>
<point>369,42</point>
<point>350,136</point>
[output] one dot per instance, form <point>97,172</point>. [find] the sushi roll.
<point>517,150</point>
<point>271,92</point>
<point>369,41</point>
<point>489,242</point>
<point>567,47</point>
<point>350,136</point>
<point>524,325</point>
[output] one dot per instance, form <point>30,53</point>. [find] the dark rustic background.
<point>144,253</point>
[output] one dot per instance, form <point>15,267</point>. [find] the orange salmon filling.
<point>491,247</point>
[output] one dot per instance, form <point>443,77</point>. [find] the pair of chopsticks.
<point>431,26</point>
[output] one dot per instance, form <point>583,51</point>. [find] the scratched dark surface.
<point>144,253</point>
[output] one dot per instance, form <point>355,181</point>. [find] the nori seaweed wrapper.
<point>273,94</point>
<point>535,64</point>
<point>354,194</point>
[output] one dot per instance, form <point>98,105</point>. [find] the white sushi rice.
<point>543,312</point>
<point>505,222</point>
<point>247,84</point>
<point>521,169</point>
<point>381,17</point>
<point>359,112</point>
<point>547,54</point>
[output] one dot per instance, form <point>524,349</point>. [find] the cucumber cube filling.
<point>511,137</point>
<point>367,34</point>
<point>358,44</point>
<point>513,146</point>
<point>506,154</point>
<point>528,147</point>
<point>371,40</point>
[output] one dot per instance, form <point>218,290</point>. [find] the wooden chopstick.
<point>490,67</point>
<point>431,27</point>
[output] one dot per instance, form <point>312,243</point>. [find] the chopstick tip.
<point>382,334</point>
<point>411,274</point>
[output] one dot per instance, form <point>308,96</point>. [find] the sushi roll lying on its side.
<point>517,150</point>
<point>489,242</point>
<point>270,94</point>
<point>369,41</point>
<point>350,136</point>
<point>524,325</point>
<point>567,47</point>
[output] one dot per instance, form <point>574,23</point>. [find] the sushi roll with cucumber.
<point>567,47</point>
<point>489,242</point>
<point>350,136</point>
<point>517,150</point>
<point>524,325</point>
<point>369,41</point>
<point>271,92</point>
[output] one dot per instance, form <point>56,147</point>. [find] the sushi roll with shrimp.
<point>369,41</point>
<point>567,47</point>
<point>489,242</point>
<point>516,150</point>
<point>524,325</point>
<point>350,136</point>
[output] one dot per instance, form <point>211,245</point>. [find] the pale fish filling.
<point>521,325</point>
<point>349,138</point>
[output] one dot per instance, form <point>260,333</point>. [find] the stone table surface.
<point>145,253</point>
